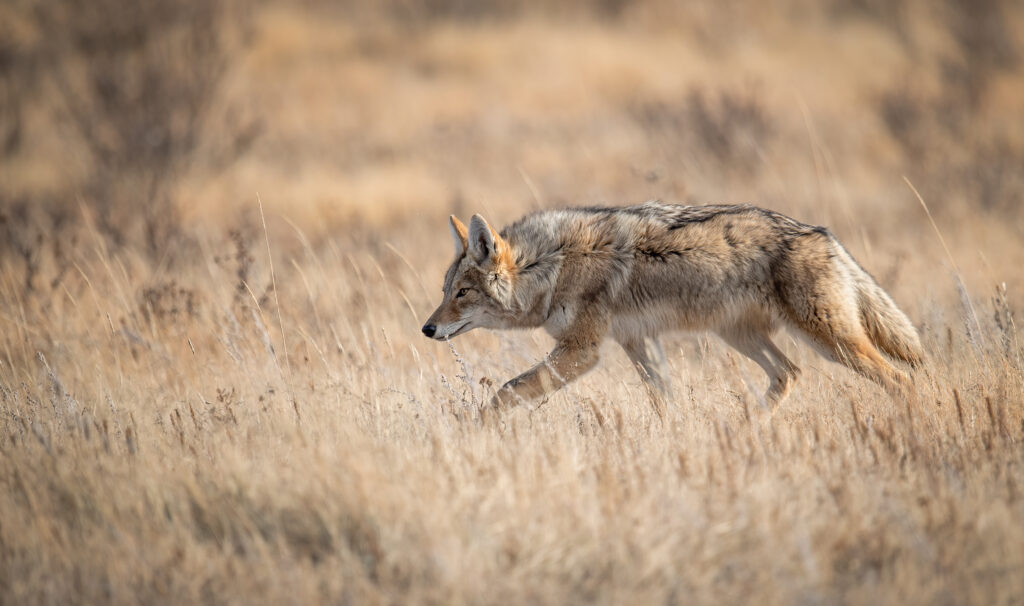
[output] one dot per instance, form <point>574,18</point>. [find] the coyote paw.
<point>504,398</point>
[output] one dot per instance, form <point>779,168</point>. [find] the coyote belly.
<point>631,273</point>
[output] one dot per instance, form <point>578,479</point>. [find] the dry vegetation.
<point>179,423</point>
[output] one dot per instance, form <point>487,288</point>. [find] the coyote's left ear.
<point>485,245</point>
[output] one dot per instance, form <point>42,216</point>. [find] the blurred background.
<point>165,120</point>
<point>200,407</point>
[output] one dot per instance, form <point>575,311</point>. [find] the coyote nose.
<point>429,330</point>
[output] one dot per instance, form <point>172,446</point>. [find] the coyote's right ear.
<point>459,235</point>
<point>482,246</point>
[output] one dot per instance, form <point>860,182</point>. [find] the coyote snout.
<point>634,272</point>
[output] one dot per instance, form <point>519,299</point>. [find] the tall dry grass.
<point>161,443</point>
<point>190,427</point>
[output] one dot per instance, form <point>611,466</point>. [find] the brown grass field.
<point>224,398</point>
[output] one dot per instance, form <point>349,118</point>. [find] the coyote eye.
<point>462,293</point>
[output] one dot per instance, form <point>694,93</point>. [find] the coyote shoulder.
<point>631,273</point>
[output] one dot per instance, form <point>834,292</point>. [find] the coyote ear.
<point>483,241</point>
<point>459,235</point>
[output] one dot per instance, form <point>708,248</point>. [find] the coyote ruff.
<point>631,273</point>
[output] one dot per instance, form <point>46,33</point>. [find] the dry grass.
<point>187,428</point>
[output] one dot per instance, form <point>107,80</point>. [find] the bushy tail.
<point>888,328</point>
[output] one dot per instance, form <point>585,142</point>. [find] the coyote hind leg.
<point>758,346</point>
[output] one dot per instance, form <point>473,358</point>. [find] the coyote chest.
<point>631,273</point>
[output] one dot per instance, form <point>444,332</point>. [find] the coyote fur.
<point>631,273</point>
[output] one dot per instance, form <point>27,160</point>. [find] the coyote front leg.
<point>648,358</point>
<point>575,354</point>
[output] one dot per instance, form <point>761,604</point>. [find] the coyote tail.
<point>888,328</point>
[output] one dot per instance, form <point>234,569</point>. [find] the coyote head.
<point>478,285</point>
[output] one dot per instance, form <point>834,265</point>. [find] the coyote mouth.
<point>454,333</point>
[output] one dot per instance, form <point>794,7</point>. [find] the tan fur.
<point>631,273</point>
<point>460,233</point>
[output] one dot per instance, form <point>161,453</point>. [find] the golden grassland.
<point>255,418</point>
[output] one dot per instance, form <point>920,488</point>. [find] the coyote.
<point>631,273</point>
